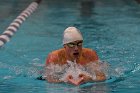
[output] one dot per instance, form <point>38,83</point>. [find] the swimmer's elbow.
<point>101,77</point>
<point>50,80</point>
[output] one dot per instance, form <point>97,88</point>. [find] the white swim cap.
<point>71,34</point>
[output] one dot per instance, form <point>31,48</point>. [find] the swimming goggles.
<point>71,45</point>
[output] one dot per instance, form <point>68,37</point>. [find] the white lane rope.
<point>14,26</point>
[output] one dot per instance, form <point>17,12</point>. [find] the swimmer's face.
<point>73,49</point>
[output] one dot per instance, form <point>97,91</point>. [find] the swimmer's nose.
<point>76,48</point>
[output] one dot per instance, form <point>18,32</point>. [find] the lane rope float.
<point>14,26</point>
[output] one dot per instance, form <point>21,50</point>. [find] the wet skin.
<point>73,50</point>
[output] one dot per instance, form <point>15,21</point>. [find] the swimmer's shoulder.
<point>56,56</point>
<point>90,53</point>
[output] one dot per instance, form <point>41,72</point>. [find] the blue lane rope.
<point>14,26</point>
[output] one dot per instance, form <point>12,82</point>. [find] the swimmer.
<point>74,51</point>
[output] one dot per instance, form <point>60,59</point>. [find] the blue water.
<point>111,27</point>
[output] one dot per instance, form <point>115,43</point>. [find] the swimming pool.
<point>110,27</point>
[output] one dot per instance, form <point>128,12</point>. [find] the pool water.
<point>111,27</point>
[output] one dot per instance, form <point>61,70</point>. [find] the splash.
<point>136,68</point>
<point>124,69</point>
<point>72,68</point>
<point>75,70</point>
<point>15,70</point>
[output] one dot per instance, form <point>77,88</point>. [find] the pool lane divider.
<point>14,26</point>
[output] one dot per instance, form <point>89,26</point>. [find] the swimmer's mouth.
<point>75,54</point>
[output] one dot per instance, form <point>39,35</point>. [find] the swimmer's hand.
<point>71,80</point>
<point>85,78</point>
<point>81,79</point>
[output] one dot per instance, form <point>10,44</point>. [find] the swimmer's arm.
<point>53,80</point>
<point>51,60</point>
<point>100,76</point>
